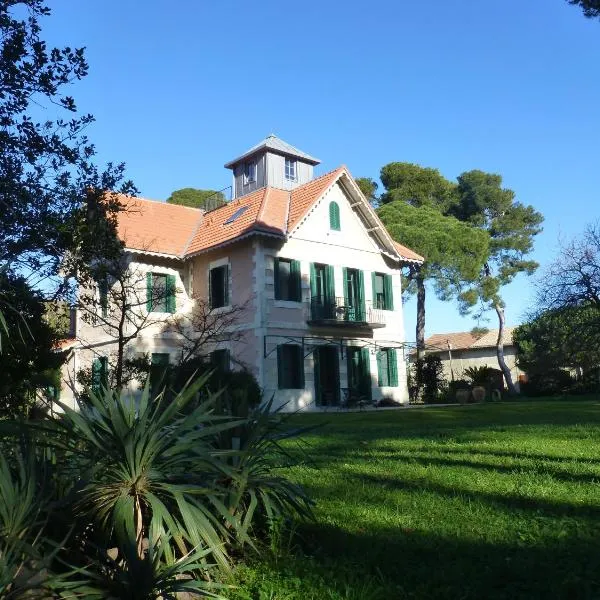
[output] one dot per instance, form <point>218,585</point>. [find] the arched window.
<point>334,216</point>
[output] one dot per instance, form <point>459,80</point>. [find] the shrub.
<point>549,383</point>
<point>429,376</point>
<point>153,494</point>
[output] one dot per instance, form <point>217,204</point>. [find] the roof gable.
<point>159,228</point>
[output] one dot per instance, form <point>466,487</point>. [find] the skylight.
<point>236,214</point>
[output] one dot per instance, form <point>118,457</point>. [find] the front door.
<point>327,376</point>
<point>359,374</point>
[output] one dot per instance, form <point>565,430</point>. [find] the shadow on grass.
<point>408,564</point>
<point>424,458</point>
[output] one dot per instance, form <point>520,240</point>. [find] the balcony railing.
<point>338,311</point>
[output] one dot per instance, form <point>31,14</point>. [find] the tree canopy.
<point>417,186</point>
<point>455,252</point>
<point>512,226</point>
<point>369,188</point>
<point>196,198</point>
<point>46,173</point>
<point>564,338</point>
<point>591,8</point>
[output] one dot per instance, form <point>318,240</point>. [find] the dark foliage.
<point>429,376</point>
<point>46,174</point>
<point>549,383</point>
<point>591,8</point>
<point>28,362</point>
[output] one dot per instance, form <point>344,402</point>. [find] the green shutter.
<point>330,283</point>
<point>149,302</point>
<point>296,284</point>
<point>96,375</point>
<point>362,313</point>
<point>374,290</point>
<point>171,293</point>
<point>226,285</point>
<point>365,365</point>
<point>334,216</point>
<point>313,281</point>
<point>276,278</point>
<point>388,292</point>
<point>280,374</point>
<point>379,368</point>
<point>393,367</point>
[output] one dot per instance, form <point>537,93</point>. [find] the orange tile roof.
<point>148,225</point>
<point>152,226</point>
<point>464,340</point>
<point>64,344</point>
<point>264,211</point>
<point>304,196</point>
<point>407,253</point>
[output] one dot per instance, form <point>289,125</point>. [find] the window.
<point>290,169</point>
<point>334,216</point>
<point>236,214</point>
<point>221,359</point>
<point>387,368</point>
<point>159,366</point>
<point>160,292</point>
<point>287,280</point>
<point>290,367</point>
<point>383,296</point>
<point>219,286</point>
<point>99,374</point>
<point>249,172</point>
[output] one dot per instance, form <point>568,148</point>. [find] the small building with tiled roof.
<point>477,348</point>
<point>304,263</point>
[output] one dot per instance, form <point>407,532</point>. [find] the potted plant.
<point>481,379</point>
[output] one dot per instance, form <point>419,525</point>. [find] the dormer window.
<point>290,169</point>
<point>249,172</point>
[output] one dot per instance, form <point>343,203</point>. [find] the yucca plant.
<point>153,494</point>
<point>480,375</point>
<point>256,491</point>
<point>27,553</point>
<point>148,466</point>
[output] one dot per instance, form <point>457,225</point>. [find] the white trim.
<point>288,303</point>
<point>220,262</point>
<point>157,254</point>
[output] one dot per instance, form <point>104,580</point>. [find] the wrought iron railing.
<point>339,310</point>
<point>218,199</point>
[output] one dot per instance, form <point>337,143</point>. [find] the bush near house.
<point>139,498</point>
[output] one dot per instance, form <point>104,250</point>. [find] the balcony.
<point>336,312</point>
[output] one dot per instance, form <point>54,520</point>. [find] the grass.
<point>483,501</point>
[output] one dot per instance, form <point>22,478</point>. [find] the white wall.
<point>351,247</point>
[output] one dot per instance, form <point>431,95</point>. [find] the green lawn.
<point>484,501</point>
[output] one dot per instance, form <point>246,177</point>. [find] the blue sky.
<point>506,86</point>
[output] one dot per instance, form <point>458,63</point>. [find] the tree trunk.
<point>500,351</point>
<point>420,329</point>
<point>420,333</point>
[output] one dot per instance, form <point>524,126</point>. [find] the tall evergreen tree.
<point>512,226</point>
<point>412,210</point>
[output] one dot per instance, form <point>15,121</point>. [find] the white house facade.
<point>304,264</point>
